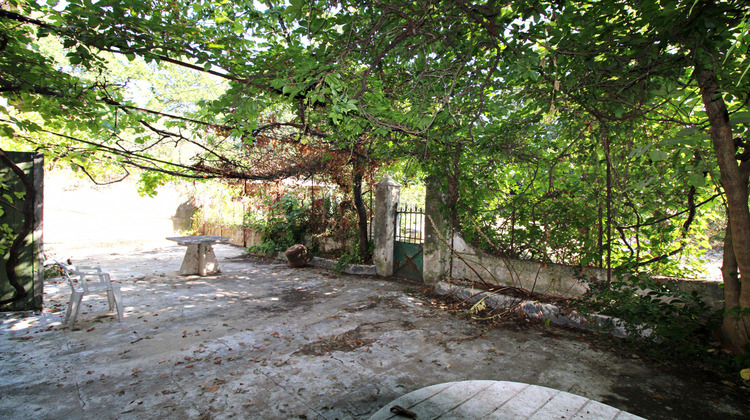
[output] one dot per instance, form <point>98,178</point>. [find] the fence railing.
<point>410,225</point>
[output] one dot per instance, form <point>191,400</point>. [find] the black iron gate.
<point>408,247</point>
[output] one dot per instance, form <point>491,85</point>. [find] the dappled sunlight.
<point>198,338</point>
<point>553,146</point>
<point>23,322</point>
<point>17,324</point>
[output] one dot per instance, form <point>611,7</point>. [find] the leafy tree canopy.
<point>631,115</point>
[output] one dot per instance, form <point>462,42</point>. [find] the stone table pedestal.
<point>199,257</point>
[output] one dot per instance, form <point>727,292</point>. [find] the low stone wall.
<point>468,263</point>
<point>711,292</point>
<point>326,244</point>
<point>556,279</point>
<point>252,237</point>
<point>237,235</point>
<point>246,237</point>
<point>213,230</point>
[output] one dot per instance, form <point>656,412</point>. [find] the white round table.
<point>497,400</point>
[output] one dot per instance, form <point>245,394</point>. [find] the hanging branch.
<point>691,209</point>
<point>685,228</point>
<point>661,257</point>
<point>515,277</point>
<point>91,177</point>
<point>457,255</point>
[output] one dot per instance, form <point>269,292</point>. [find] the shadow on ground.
<point>261,340</point>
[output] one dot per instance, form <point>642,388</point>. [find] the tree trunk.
<point>359,204</point>
<point>736,327</point>
<point>730,326</point>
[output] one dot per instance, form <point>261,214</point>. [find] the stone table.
<point>497,400</point>
<point>199,257</point>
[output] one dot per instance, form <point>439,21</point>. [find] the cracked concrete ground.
<point>262,340</point>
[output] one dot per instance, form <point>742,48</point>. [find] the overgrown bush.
<point>679,321</point>
<point>285,224</point>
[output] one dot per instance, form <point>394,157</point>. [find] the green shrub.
<point>266,249</point>
<point>679,320</point>
<point>285,224</point>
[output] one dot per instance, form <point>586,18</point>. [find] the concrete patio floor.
<point>261,340</point>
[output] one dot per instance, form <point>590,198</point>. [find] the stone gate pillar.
<point>437,230</point>
<point>387,196</point>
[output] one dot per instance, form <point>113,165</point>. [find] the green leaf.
<point>7,131</point>
<point>639,151</point>
<point>740,118</point>
<point>657,155</point>
<point>677,140</point>
<point>689,131</point>
<point>297,4</point>
<point>697,180</point>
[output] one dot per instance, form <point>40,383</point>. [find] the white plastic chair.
<point>85,280</point>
